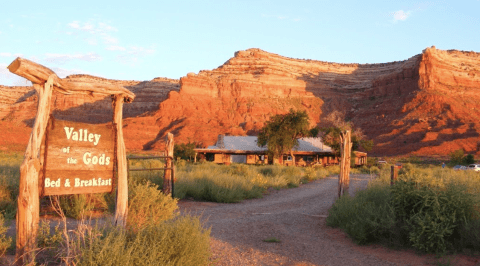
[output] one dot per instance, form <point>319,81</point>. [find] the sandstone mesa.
<point>425,105</point>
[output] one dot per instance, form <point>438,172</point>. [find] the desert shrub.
<point>9,185</point>
<point>293,176</point>
<point>181,241</point>
<point>78,205</point>
<point>364,169</point>
<point>433,215</point>
<point>236,182</point>
<point>148,206</point>
<point>333,170</point>
<point>429,208</point>
<point>367,217</point>
<point>469,236</point>
<point>5,241</point>
<point>45,238</point>
<point>310,174</point>
<point>154,176</point>
<point>270,170</point>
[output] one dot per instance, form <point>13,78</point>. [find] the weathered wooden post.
<point>394,174</point>
<point>28,196</point>
<point>66,173</point>
<point>345,153</point>
<point>167,177</point>
<point>121,208</point>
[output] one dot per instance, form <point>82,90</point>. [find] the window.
<point>287,157</point>
<point>308,158</point>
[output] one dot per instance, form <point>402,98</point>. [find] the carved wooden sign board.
<point>79,158</point>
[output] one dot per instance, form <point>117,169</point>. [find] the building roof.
<point>249,144</point>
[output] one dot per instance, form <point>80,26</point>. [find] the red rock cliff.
<point>425,105</point>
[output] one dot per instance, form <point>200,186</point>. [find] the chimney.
<point>220,142</point>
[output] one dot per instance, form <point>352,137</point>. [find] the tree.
<point>469,159</point>
<point>281,133</point>
<point>184,150</point>
<point>335,123</point>
<point>457,157</point>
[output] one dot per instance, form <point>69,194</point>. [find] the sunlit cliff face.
<point>427,104</point>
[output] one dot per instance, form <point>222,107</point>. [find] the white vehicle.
<point>475,167</point>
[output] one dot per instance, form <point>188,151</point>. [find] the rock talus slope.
<point>425,105</point>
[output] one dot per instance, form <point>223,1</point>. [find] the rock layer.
<point>425,105</point>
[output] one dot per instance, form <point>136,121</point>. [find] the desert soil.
<point>296,217</point>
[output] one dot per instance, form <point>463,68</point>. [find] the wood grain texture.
<point>345,151</point>
<point>28,196</point>
<point>38,74</point>
<point>58,135</point>
<point>167,177</point>
<point>121,210</point>
<point>66,154</point>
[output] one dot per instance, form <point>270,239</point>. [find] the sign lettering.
<point>79,158</point>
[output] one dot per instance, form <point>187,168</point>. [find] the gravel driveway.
<point>294,216</point>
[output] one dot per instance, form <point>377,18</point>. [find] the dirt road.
<point>296,217</point>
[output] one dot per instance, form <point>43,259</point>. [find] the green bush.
<point>5,241</point>
<point>434,210</point>
<point>181,241</point>
<point>148,206</point>
<point>9,185</point>
<point>432,215</point>
<point>78,205</point>
<point>45,238</point>
<point>367,217</point>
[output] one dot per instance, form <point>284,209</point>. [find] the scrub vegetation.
<point>156,233</point>
<point>431,209</point>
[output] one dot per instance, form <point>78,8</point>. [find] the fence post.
<point>345,150</point>
<point>28,197</point>
<point>167,177</point>
<point>393,175</point>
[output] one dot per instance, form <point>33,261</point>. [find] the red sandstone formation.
<point>426,105</point>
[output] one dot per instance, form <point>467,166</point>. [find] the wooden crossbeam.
<point>38,74</point>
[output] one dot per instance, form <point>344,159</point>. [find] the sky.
<point>141,40</point>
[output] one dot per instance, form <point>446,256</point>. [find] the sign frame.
<point>48,169</point>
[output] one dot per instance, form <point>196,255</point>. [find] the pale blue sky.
<point>141,40</point>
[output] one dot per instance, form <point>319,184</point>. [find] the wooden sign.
<point>79,158</point>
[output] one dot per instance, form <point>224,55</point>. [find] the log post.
<point>345,150</point>
<point>167,177</point>
<point>28,196</point>
<point>393,174</point>
<point>121,209</point>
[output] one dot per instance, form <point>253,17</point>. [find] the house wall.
<point>239,158</point>
<point>252,159</point>
<point>222,158</point>
<point>361,160</point>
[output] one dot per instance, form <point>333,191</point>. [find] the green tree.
<point>281,133</point>
<point>468,159</point>
<point>456,157</point>
<point>335,123</point>
<point>184,150</point>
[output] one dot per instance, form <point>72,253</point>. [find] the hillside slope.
<point>425,105</point>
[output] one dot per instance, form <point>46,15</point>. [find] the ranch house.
<point>244,149</point>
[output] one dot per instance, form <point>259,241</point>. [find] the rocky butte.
<point>425,105</point>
